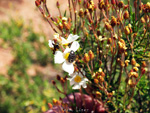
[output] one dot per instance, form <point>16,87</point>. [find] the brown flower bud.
<point>127,30</point>
<point>120,4</point>
<point>130,28</point>
<point>101,79</point>
<point>134,35</point>
<point>60,26</point>
<point>53,82</point>
<point>109,41</point>
<point>98,94</point>
<point>58,77</point>
<point>86,58</point>
<point>146,17</point>
<point>110,94</point>
<point>98,32</point>
<point>126,15</point>
<point>86,12</point>
<point>100,62</point>
<point>113,21</point>
<point>103,74</point>
<point>96,81</point>
<point>133,62</point>
<point>55,102</point>
<point>142,20</point>
<point>62,80</point>
<point>130,82</point>
<point>81,13</point>
<point>91,54</point>
<point>101,5</point>
<point>143,70</point>
<point>57,4</point>
<point>122,64</point>
<point>67,26</point>
<point>126,62</point>
<point>148,6</point>
<point>143,64</point>
<point>37,3</point>
<point>50,105</point>
<point>79,1</point>
<point>135,69</point>
<point>108,26</point>
<point>126,6</point>
<point>113,2</point>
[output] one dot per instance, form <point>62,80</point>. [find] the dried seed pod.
<point>103,74</point>
<point>113,2</point>
<point>50,105</point>
<point>108,26</point>
<point>133,62</point>
<point>81,13</point>
<point>91,54</point>
<point>57,4</point>
<point>101,5</point>
<point>58,77</point>
<point>109,41</point>
<point>143,64</point>
<point>53,82</point>
<point>135,69</point>
<point>127,62</point>
<point>96,81</point>
<point>37,3</point>
<point>142,20</point>
<point>126,15</point>
<point>98,94</point>
<point>113,21</point>
<point>86,58</point>
<point>127,30</point>
<point>101,79</point>
<point>120,4</point>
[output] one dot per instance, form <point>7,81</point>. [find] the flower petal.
<point>76,86</point>
<point>51,44</point>
<point>58,57</point>
<point>72,81</point>
<point>67,50</point>
<point>75,46</point>
<point>68,67</point>
<point>84,85</point>
<point>64,41</point>
<point>72,38</point>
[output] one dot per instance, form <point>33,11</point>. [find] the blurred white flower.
<point>60,57</point>
<point>51,44</point>
<point>78,80</point>
<point>71,38</point>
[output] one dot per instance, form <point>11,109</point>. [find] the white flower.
<point>78,80</point>
<point>71,38</point>
<point>60,57</point>
<point>51,42</point>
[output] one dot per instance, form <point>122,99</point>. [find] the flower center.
<point>77,79</point>
<point>66,56</point>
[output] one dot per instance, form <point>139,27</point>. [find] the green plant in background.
<point>19,91</point>
<point>104,48</point>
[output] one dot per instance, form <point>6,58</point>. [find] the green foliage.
<point>20,92</point>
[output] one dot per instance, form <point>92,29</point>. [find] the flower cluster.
<point>67,56</point>
<point>99,46</point>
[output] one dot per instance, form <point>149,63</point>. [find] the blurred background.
<point>26,62</point>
